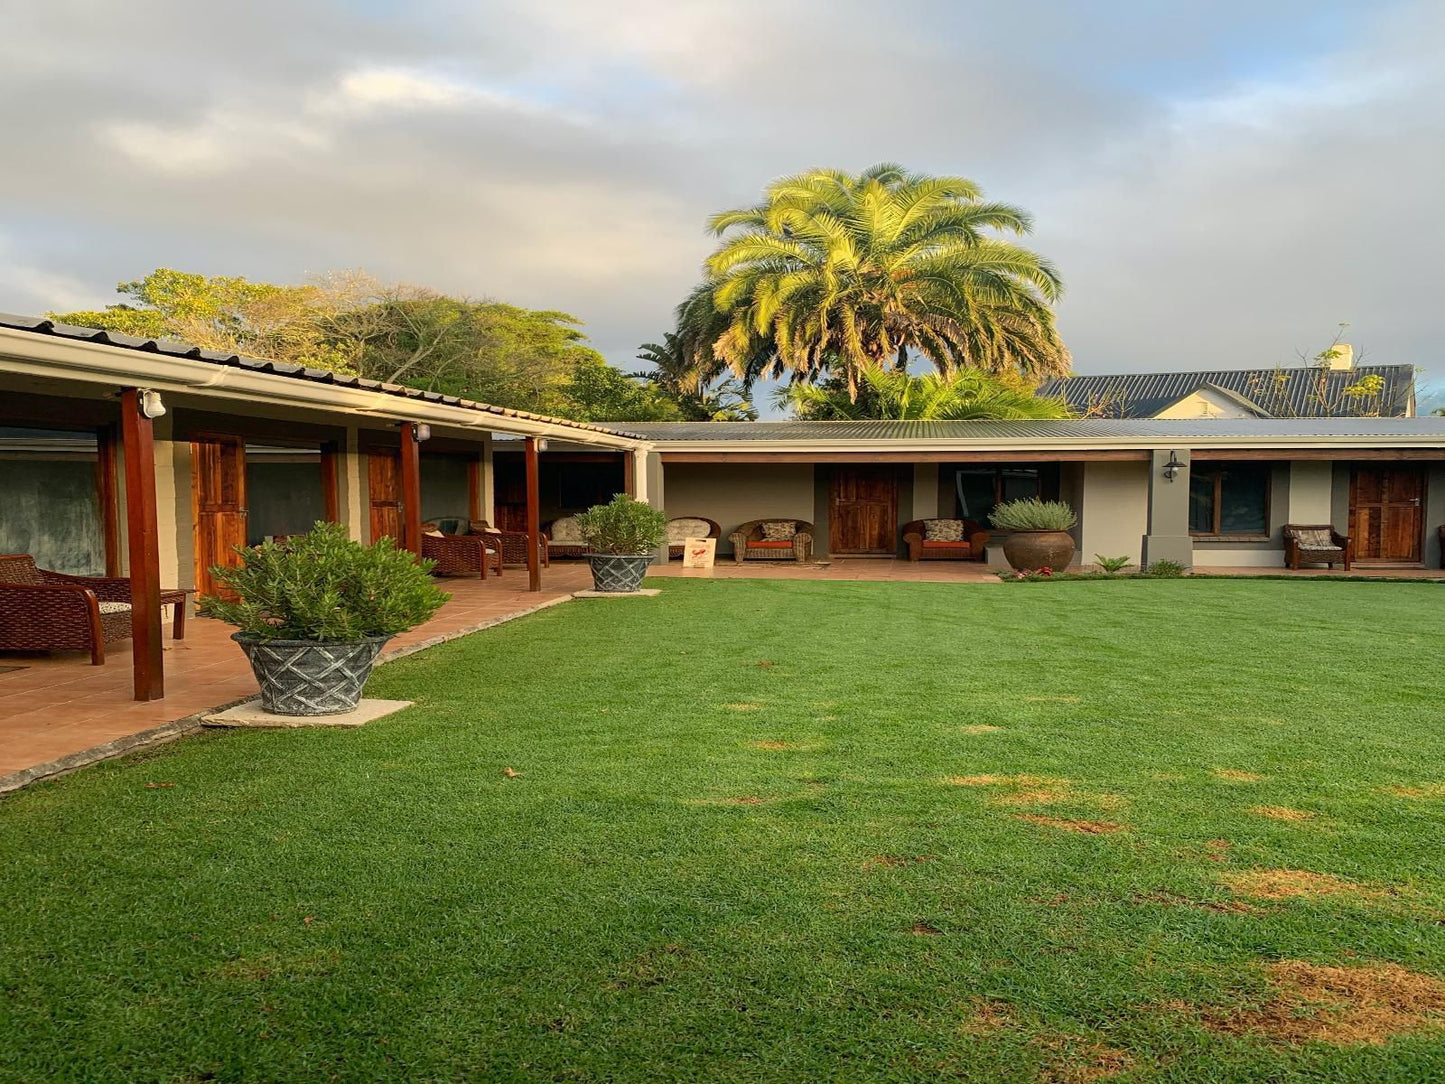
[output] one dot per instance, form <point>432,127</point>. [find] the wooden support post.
<point>138,440</point>
<point>474,488</point>
<point>330,494</point>
<point>629,474</point>
<point>108,504</point>
<point>534,519</point>
<point>410,488</point>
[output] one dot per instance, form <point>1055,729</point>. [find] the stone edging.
<point>157,735</point>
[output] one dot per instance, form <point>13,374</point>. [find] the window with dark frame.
<point>1229,500</point>
<point>982,489</point>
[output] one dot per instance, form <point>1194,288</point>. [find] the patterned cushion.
<point>943,530</point>
<point>1315,538</point>
<point>115,607</point>
<point>779,530</point>
<point>685,527</point>
<point>566,532</point>
<point>434,534</point>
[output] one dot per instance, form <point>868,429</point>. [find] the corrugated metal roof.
<point>1083,429</point>
<point>1301,392</point>
<point>171,348</point>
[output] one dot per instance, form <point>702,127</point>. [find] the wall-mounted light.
<point>542,445</point>
<point>151,404</point>
<point>1173,467</point>
<point>421,431</point>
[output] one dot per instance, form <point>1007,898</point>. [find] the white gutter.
<point>53,357</point>
<point>1053,444</point>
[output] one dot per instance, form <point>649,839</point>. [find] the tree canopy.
<point>834,273</point>
<point>888,393</point>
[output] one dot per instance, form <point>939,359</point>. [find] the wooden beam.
<point>629,474</point>
<point>534,515</point>
<point>138,440</point>
<point>1392,455</point>
<point>1002,455</point>
<point>330,494</point>
<point>474,488</point>
<point>410,488</point>
<point>106,497</point>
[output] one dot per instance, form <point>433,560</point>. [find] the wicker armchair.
<point>921,548</point>
<point>564,538</point>
<point>42,610</point>
<point>513,543</point>
<point>1316,543</point>
<point>750,545</point>
<point>460,554</point>
<point>682,528</point>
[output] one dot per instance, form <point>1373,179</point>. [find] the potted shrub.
<point>621,538</point>
<point>312,614</point>
<point>1038,533</point>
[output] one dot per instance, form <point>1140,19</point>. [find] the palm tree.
<point>888,393</point>
<point>837,273</point>
<point>690,380</point>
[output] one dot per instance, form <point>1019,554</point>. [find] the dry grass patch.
<point>1217,850</point>
<point>1074,1060</point>
<point>1342,1005</point>
<point>1218,907</point>
<point>1427,790</point>
<point>1053,699</point>
<point>743,707</point>
<point>1236,776</point>
<point>1282,813</point>
<point>924,929</point>
<point>1285,884</point>
<point>980,728</point>
<point>773,746</point>
<point>1093,828</point>
<point>989,1017</point>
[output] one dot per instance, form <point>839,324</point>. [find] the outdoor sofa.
<point>944,540</point>
<point>773,540</point>
<point>1315,544</point>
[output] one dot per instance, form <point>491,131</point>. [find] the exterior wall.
<point>351,506</point>
<point>1205,404</point>
<point>1115,509</point>
<point>175,516</point>
<point>733,493</point>
<point>925,491</point>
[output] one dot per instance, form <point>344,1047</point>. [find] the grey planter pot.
<point>617,573</point>
<point>307,677</point>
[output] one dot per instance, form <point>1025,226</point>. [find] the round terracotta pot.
<point>1030,550</point>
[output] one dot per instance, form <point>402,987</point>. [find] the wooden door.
<point>863,511</point>
<point>218,498</point>
<point>1386,513</point>
<point>383,476</point>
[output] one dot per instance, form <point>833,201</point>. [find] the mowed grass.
<point>1185,831</point>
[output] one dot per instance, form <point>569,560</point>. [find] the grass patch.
<point>700,867</point>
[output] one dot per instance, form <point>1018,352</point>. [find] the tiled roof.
<point>1301,392</point>
<point>172,348</point>
<point>1067,429</point>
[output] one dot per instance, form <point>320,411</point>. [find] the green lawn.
<point>748,841</point>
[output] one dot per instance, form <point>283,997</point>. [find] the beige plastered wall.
<point>1115,509</point>
<point>733,493</point>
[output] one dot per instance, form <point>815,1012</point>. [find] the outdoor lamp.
<point>542,445</point>
<point>151,405</point>
<point>422,431</point>
<point>1173,467</point>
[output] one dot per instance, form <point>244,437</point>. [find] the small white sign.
<point>698,552</point>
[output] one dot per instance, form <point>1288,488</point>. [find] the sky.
<point>1220,183</point>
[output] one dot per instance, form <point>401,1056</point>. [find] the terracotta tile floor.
<point>60,705</point>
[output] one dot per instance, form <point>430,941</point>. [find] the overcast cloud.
<point>1221,183</point>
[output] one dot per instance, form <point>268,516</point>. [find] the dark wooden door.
<point>383,486</point>
<point>218,497</point>
<point>1386,513</point>
<point>863,511</point>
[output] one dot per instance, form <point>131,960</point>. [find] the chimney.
<point>1340,357</point>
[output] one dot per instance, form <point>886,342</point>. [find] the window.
<point>1229,499</point>
<point>982,489</point>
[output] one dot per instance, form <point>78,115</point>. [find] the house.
<point>152,459</point>
<point>1336,389</point>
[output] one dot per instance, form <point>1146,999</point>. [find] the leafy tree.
<point>596,392</point>
<point>698,387</point>
<point>885,393</point>
<point>840,273</point>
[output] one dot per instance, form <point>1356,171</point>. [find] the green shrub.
<point>1033,514</point>
<point>1111,565</point>
<point>323,586</point>
<point>623,525</point>
<point>1165,569</point>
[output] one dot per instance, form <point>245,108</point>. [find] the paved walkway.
<point>59,708</point>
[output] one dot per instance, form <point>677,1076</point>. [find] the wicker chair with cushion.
<point>513,543</point>
<point>773,540</point>
<point>1315,544</point>
<point>42,610</point>
<point>459,554</point>
<point>944,540</point>
<point>564,538</point>
<point>682,528</point>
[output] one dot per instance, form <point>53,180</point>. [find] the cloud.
<point>1221,183</point>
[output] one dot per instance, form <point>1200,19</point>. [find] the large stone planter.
<point>1028,551</point>
<point>306,677</point>
<point>618,573</point>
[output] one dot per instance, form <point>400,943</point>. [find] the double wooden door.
<point>1387,513</point>
<point>863,510</point>
<point>218,500</point>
